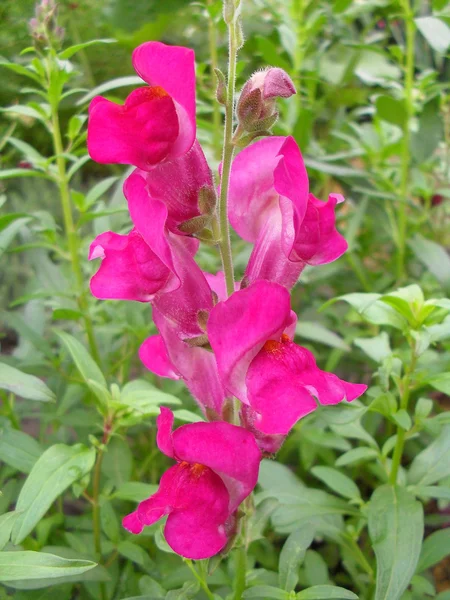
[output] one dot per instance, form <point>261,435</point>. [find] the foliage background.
<point>365,131</point>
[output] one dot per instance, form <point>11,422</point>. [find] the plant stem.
<point>70,230</point>
<point>400,443</point>
<point>213,55</point>
<point>200,579</point>
<point>241,571</point>
<point>227,158</point>
<point>406,158</point>
<point>298,8</point>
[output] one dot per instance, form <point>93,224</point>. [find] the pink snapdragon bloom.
<point>155,123</point>
<point>168,356</point>
<point>280,382</point>
<point>270,206</point>
<point>151,263</point>
<point>216,469</point>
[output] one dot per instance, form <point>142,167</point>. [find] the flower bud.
<point>256,106</point>
<point>221,91</point>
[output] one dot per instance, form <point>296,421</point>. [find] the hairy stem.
<point>406,158</point>
<point>213,55</point>
<point>227,159</point>
<point>70,230</point>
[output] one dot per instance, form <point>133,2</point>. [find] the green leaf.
<point>8,234</point>
<point>18,449</point>
<point>6,524</point>
<point>435,31</point>
<point>98,190</point>
<point>136,554</point>
<point>356,455</point>
<point>441,382</point>
<point>24,385</point>
<point>402,419</point>
<point>370,307</point>
<point>433,491</point>
<point>317,332</point>
<point>86,365</point>
<point>326,592</point>
<point>117,462</point>
<point>109,522</point>
<point>391,110</point>
<point>129,80</point>
<point>15,173</point>
<point>71,50</point>
<point>434,549</point>
<point>377,348</point>
<point>135,491</point>
<point>262,592</point>
<point>39,565</point>
<point>333,169</point>
<point>53,473</point>
<point>396,530</point>
<point>433,463</point>
<point>292,555</point>
<point>337,481</point>
<point>434,257</point>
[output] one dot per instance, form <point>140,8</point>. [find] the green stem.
<point>241,571</point>
<point>406,158</point>
<point>199,578</point>
<point>212,41</point>
<point>227,159</point>
<point>401,434</point>
<point>298,9</point>
<point>70,230</point>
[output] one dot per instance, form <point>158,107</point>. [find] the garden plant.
<point>225,322</point>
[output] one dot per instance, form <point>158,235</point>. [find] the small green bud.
<point>239,34</point>
<point>221,90</point>
<point>195,225</point>
<point>229,11</point>
<point>207,200</point>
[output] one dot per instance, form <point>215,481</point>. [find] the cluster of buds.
<point>44,26</point>
<point>229,350</point>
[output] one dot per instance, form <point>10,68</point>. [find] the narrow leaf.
<point>396,530</point>
<point>39,565</point>
<point>53,473</point>
<point>24,385</point>
<point>292,555</point>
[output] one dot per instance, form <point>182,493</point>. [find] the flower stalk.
<point>227,159</point>
<point>406,155</point>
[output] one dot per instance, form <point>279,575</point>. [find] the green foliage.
<point>341,514</point>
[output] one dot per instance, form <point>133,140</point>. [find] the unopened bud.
<point>271,83</point>
<point>195,225</point>
<point>197,342</point>
<point>263,124</point>
<point>229,11</point>
<point>221,90</point>
<point>239,34</point>
<point>249,107</point>
<point>206,200</point>
<point>202,318</point>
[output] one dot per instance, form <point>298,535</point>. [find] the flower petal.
<point>153,354</point>
<point>141,132</point>
<point>252,198</point>
<point>172,68</point>
<point>164,424</point>
<point>283,380</point>
<point>132,523</point>
<point>129,270</point>
<point>239,327</point>
<point>317,241</point>
<point>191,172</point>
<point>196,365</point>
<point>228,450</point>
